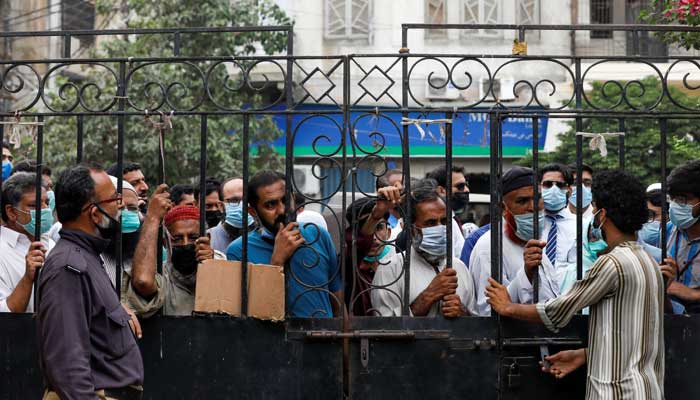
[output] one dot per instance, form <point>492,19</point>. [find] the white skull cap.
<point>125,184</point>
<point>654,186</point>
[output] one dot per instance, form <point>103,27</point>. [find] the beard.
<point>129,243</point>
<point>274,227</point>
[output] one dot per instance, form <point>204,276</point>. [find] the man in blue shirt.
<point>683,234</point>
<point>315,286</point>
<point>470,242</point>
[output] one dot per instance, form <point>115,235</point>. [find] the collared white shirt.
<point>514,276</point>
<point>566,235</point>
<point>14,247</point>
<point>388,284</point>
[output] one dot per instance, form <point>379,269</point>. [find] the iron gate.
<point>349,356</point>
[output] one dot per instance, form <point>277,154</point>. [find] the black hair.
<point>423,193</point>
<point>5,145</point>
<point>557,167</point>
<point>127,167</point>
<point>74,189</point>
<point>439,174</point>
<point>360,209</point>
<point>383,180</point>
<point>211,185</point>
<point>623,197</point>
<point>179,190</point>
<point>685,178</point>
<point>584,168</point>
<point>655,197</point>
<point>15,187</point>
<point>29,166</point>
<point>259,180</point>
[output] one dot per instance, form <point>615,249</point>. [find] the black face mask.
<point>111,231</point>
<point>129,243</point>
<point>213,218</point>
<point>184,259</point>
<point>460,201</point>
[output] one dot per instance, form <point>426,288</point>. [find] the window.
<point>481,12</point>
<point>347,19</point>
<point>435,13</point>
<point>527,12</point>
<point>77,15</point>
<point>601,13</point>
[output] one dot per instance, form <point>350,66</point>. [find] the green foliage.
<point>184,83</point>
<point>642,135</point>
<point>675,12</point>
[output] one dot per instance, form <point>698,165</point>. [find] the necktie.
<point>551,249</point>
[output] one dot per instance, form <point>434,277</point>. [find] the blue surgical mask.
<point>650,233</point>
<point>6,169</point>
<point>46,216</point>
<point>554,198</point>
<point>597,232</point>
<point>379,256</point>
<point>593,249</point>
<point>433,240</point>
<point>587,197</point>
<point>234,215</point>
<point>682,215</point>
<point>525,228</point>
<point>52,200</point>
<point>130,221</point>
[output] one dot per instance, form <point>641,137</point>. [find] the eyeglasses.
<point>116,199</point>
<point>549,184</point>
<point>461,186</point>
<point>587,182</point>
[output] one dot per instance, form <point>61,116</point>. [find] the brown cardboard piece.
<point>266,295</point>
<point>218,289</point>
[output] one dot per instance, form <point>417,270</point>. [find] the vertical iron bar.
<point>448,188</point>
<point>202,174</point>
<point>621,144</point>
<point>664,189</point>
<point>39,185</point>
<point>289,150</point>
<point>121,119</point>
<point>405,158</point>
<point>495,206</point>
<point>66,46</point>
<point>79,134</point>
<point>578,88</point>
<point>244,251</point>
<point>176,44</point>
<point>343,166</point>
<point>536,201</point>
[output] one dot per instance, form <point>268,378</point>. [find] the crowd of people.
<point>80,216</point>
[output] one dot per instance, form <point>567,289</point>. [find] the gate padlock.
<point>514,375</point>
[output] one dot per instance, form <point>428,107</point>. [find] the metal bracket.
<point>364,352</point>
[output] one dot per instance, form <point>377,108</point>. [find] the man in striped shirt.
<point>625,292</point>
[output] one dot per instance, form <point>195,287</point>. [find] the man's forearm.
<point>525,312</point>
<point>18,301</point>
<point>422,304</point>
<point>144,267</point>
<point>683,292</point>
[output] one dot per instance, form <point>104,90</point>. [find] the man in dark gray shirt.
<point>86,337</point>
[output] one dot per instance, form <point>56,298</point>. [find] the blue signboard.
<point>381,134</point>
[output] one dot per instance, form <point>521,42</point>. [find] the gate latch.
<point>514,375</point>
<point>364,352</point>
